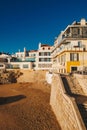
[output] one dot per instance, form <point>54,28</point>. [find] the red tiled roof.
<point>33,51</point>
<point>42,45</point>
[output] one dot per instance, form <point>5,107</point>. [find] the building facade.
<point>23,60</point>
<point>43,59</point>
<point>34,59</point>
<point>69,52</point>
<point>4,60</point>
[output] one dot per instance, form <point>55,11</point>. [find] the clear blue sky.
<point>25,23</point>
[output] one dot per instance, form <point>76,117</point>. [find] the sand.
<point>26,106</point>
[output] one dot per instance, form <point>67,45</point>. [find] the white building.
<point>21,65</point>
<point>21,55</point>
<point>43,58</point>
<point>4,61</point>
<point>23,60</point>
<point>34,59</point>
<point>70,48</point>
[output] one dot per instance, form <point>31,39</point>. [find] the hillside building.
<point>43,59</point>
<point>69,52</point>
<point>4,61</point>
<point>34,59</point>
<point>24,60</point>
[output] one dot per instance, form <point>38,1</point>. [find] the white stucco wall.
<point>49,77</point>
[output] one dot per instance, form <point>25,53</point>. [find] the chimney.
<point>39,45</point>
<point>83,21</point>
<point>24,51</point>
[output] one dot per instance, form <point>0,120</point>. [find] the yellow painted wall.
<point>71,63</point>
<point>68,64</point>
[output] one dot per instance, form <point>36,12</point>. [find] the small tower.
<point>39,45</point>
<point>83,21</point>
<point>24,51</point>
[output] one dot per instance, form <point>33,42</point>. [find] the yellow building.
<point>69,52</point>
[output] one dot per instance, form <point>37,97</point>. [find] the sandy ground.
<point>25,106</point>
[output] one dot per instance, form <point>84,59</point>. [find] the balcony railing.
<point>62,38</point>
<point>56,52</point>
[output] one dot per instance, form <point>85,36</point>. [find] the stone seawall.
<point>64,107</point>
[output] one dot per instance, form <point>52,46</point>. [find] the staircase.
<point>83,112</point>
<point>73,89</point>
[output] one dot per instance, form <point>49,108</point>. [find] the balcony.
<point>64,39</point>
<point>66,49</point>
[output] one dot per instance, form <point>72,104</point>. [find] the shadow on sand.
<point>11,99</point>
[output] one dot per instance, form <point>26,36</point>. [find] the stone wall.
<point>64,107</point>
<point>32,76</point>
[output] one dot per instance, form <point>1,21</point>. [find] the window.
<point>41,59</point>
<point>1,66</point>
<point>79,43</point>
<point>21,55</point>
<point>15,66</point>
<point>25,65</point>
<point>59,59</point>
<point>75,32</point>
<point>48,53</point>
<point>33,54</point>
<point>84,32</point>
<point>73,69</point>
<point>44,65</point>
<point>48,59</point>
<point>74,57</point>
<point>17,55</point>
<point>45,59</point>
<point>39,53</point>
<point>42,53</point>
<point>45,53</point>
<point>79,31</point>
<point>63,58</point>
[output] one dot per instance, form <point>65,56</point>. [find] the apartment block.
<point>43,59</point>
<point>69,52</point>
<point>33,59</point>
<point>24,60</point>
<point>4,61</point>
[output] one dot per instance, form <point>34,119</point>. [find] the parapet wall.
<point>64,107</point>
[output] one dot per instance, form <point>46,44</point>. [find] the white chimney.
<point>39,45</point>
<point>83,21</point>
